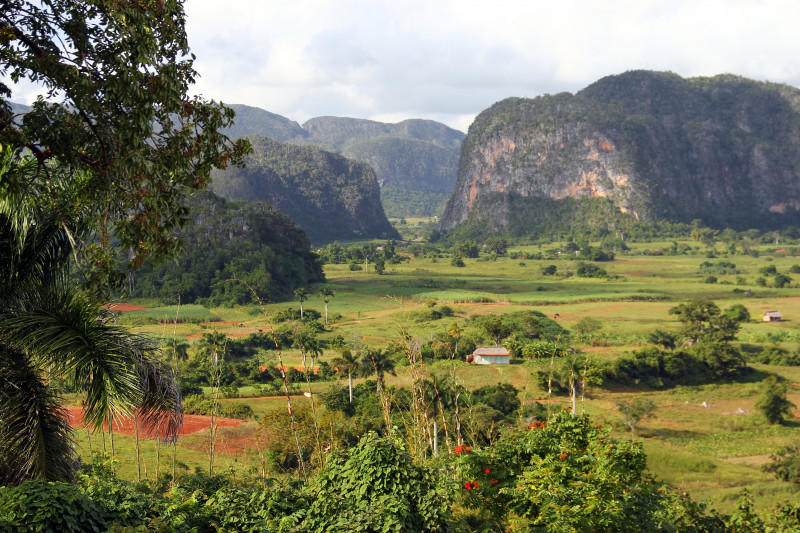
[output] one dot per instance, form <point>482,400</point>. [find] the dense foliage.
<point>117,127</point>
<point>560,474</point>
<point>400,203</point>
<point>234,253</point>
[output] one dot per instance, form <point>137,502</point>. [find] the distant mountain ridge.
<point>256,121</point>
<point>658,147</point>
<point>415,156</point>
<point>328,195</point>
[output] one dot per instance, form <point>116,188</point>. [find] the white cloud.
<point>448,60</point>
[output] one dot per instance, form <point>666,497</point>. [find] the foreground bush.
<point>563,474</point>
<point>376,486</point>
<point>41,506</point>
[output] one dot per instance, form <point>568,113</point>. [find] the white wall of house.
<point>491,359</point>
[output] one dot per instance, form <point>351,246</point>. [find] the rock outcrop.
<point>328,195</point>
<point>724,149</point>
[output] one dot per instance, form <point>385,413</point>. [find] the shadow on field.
<point>668,433</point>
<point>754,376</point>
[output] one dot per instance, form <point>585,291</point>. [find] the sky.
<point>447,60</point>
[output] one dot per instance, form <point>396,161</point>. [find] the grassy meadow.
<point>708,440</point>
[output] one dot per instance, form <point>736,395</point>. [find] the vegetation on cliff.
<point>250,242</point>
<point>329,196</point>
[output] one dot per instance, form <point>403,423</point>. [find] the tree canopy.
<point>115,123</point>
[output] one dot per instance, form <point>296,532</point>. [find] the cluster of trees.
<point>705,355</point>
<point>362,257</point>
<point>234,253</point>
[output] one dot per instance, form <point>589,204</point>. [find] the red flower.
<point>493,482</point>
<point>563,456</point>
<point>458,449</point>
<point>537,425</point>
<point>475,485</point>
<point>487,470</point>
<point>468,485</point>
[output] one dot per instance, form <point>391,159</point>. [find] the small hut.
<point>773,316</point>
<point>490,356</point>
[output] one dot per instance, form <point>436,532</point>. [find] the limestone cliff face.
<point>329,196</point>
<point>723,149</point>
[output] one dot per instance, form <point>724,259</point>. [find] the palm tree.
<point>347,362</point>
<point>214,345</point>
<point>46,323</point>
<point>326,293</point>
<point>301,296</point>
<point>377,362</point>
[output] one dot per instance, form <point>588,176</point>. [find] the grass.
<point>185,314</point>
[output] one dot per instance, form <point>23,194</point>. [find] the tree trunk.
<point>350,379</point>
<point>326,312</point>
<point>435,439</point>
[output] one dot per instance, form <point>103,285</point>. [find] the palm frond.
<point>60,327</point>
<point>35,438</point>
<point>161,405</point>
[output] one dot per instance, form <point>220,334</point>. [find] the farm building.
<point>773,316</point>
<point>489,356</point>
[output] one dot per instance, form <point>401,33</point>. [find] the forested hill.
<point>414,154</point>
<point>414,160</point>
<point>330,196</point>
<point>651,145</point>
<point>249,241</point>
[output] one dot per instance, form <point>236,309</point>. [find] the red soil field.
<point>191,423</point>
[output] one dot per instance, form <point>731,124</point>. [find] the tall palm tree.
<point>326,293</point>
<point>48,329</point>
<point>377,362</point>
<point>301,296</point>
<point>347,362</point>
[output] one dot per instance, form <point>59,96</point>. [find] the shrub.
<point>775,355</point>
<point>379,486</point>
<point>502,397</point>
<point>548,270</point>
<point>781,281</point>
<point>548,474</point>
<point>41,506</point>
<point>588,270</point>
<point>229,391</point>
<point>785,464</point>
<point>773,403</point>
